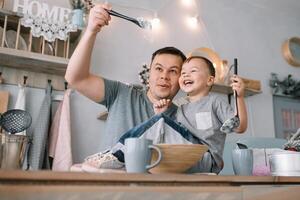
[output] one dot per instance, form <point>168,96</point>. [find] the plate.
<point>37,46</point>
<point>49,48</point>
<point>1,34</point>
<point>10,40</point>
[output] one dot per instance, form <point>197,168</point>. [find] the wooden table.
<point>46,185</point>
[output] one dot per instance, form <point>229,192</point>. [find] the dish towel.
<point>60,136</point>
<point>38,153</point>
<point>21,102</point>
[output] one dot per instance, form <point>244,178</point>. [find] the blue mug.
<point>137,155</point>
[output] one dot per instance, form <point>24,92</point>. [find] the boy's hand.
<point>161,105</point>
<point>238,85</point>
<point>98,17</point>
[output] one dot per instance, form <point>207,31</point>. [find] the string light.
<point>187,3</point>
<point>155,22</point>
<point>192,22</point>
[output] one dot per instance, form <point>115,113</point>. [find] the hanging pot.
<point>285,163</point>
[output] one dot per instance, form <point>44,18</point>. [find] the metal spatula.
<point>232,123</point>
<point>138,21</point>
<point>15,121</point>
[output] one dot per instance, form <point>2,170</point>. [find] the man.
<point>127,106</point>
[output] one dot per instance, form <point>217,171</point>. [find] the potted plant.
<point>77,13</point>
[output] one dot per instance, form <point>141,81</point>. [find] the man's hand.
<point>98,17</point>
<point>161,105</point>
<point>238,85</point>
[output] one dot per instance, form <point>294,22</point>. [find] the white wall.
<point>250,30</point>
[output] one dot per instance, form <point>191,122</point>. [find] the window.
<point>286,116</point>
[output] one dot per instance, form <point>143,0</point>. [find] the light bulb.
<point>192,22</point>
<point>155,22</point>
<point>187,3</point>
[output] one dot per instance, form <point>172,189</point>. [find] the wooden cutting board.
<point>4,97</point>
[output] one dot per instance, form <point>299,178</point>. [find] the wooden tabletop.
<point>49,177</point>
<point>48,185</point>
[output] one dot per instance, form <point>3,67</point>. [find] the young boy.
<point>205,113</point>
<point>198,121</point>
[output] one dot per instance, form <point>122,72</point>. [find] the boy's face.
<point>163,77</point>
<point>195,77</point>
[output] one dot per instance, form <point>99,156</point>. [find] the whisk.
<point>145,24</point>
<point>294,142</point>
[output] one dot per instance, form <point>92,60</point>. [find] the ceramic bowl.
<point>177,158</point>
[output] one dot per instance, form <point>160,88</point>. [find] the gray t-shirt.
<point>204,119</point>
<point>127,107</point>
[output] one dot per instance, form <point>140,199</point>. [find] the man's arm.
<point>78,71</point>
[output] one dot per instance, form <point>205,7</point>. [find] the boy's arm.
<point>242,115</point>
<point>239,86</point>
<point>161,105</point>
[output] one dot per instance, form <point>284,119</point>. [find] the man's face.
<point>164,75</point>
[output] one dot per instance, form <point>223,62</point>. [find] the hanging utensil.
<point>232,123</point>
<point>145,24</point>
<point>15,121</point>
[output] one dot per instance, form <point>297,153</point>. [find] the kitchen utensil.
<point>15,121</point>
<point>138,21</point>
<point>12,151</point>
<point>4,97</point>
<point>294,142</point>
<point>241,146</point>
<point>177,158</point>
<point>285,163</point>
<point>232,123</point>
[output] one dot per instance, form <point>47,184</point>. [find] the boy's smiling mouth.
<point>188,82</point>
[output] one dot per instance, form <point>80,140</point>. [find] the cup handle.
<point>158,159</point>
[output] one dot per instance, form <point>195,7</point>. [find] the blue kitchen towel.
<point>38,153</point>
<point>159,129</point>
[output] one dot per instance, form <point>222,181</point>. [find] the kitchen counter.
<point>44,185</point>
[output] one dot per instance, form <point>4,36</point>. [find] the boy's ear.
<point>210,81</point>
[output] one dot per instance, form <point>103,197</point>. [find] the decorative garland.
<point>287,86</point>
<point>48,28</point>
<point>144,75</point>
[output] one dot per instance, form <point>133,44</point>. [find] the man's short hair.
<point>169,50</point>
<point>209,64</point>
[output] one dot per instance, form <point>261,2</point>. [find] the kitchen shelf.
<point>225,89</point>
<point>34,62</point>
<point>40,60</point>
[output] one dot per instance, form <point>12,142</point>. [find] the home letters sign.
<point>41,9</point>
